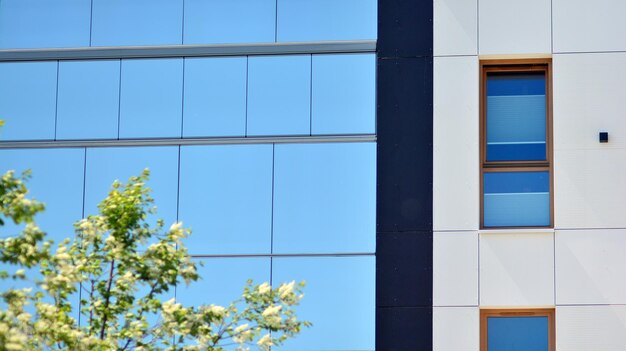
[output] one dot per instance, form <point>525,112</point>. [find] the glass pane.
<point>57,180</point>
<point>516,116</point>
<point>279,95</point>
<point>229,21</point>
<point>137,22</point>
<point>325,198</point>
<point>312,20</point>
<point>44,23</point>
<point>517,333</point>
<point>226,198</point>
<point>151,98</point>
<point>88,102</point>
<point>28,100</point>
<point>343,285</point>
<point>344,94</point>
<point>215,97</point>
<point>104,165</point>
<point>516,199</point>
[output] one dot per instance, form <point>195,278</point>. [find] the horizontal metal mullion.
<point>188,50</point>
<point>189,141</point>
<point>343,254</point>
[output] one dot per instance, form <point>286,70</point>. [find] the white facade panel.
<point>586,26</point>
<point>514,27</point>
<point>455,269</point>
<point>585,328</point>
<point>516,269</point>
<point>455,163</point>
<point>590,266</point>
<point>456,328</point>
<point>455,27</point>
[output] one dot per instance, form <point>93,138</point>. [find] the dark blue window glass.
<point>516,199</point>
<point>516,116</point>
<point>44,23</point>
<point>28,100</point>
<point>518,333</point>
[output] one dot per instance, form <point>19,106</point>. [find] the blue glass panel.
<point>516,117</point>
<point>28,100</point>
<point>44,23</point>
<point>325,198</point>
<point>279,95</point>
<point>57,180</point>
<point>226,198</point>
<point>517,333</point>
<point>104,165</point>
<point>137,22</point>
<point>516,199</point>
<point>151,98</point>
<point>343,285</point>
<point>229,21</point>
<point>215,97</point>
<point>304,20</point>
<point>88,101</point>
<point>344,94</point>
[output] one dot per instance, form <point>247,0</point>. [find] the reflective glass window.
<point>104,165</point>
<point>88,101</point>
<point>518,333</point>
<point>344,94</point>
<point>279,95</point>
<point>28,100</point>
<point>229,21</point>
<point>325,198</point>
<point>226,198</point>
<point>44,23</point>
<point>343,285</point>
<point>57,180</point>
<point>514,199</point>
<point>137,22</point>
<point>312,20</point>
<point>215,97</point>
<point>151,98</point>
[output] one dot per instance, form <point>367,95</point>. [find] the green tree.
<point>123,266</point>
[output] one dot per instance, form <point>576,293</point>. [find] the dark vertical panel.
<point>404,175</point>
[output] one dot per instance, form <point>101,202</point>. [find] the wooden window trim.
<point>543,312</point>
<point>522,65</point>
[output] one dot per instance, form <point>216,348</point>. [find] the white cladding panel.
<point>584,26</point>
<point>585,328</point>
<point>455,268</point>
<point>516,269</point>
<point>514,27</point>
<point>455,158</point>
<point>455,27</point>
<point>456,328</point>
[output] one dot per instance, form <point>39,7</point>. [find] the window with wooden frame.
<point>517,329</point>
<point>516,143</point>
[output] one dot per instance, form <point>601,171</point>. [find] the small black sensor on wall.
<point>604,137</point>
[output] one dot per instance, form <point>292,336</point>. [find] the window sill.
<point>516,231</point>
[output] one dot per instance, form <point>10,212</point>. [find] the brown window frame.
<point>522,65</point>
<point>534,312</point>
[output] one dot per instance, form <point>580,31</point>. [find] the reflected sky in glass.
<point>151,98</point>
<point>279,95</point>
<point>137,22</point>
<point>57,180</point>
<point>226,198</point>
<point>104,165</point>
<point>44,23</point>
<point>229,21</point>
<point>344,94</point>
<point>303,20</point>
<point>88,101</point>
<point>325,198</point>
<point>28,100</point>
<point>338,299</point>
<point>215,97</point>
<point>518,333</point>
